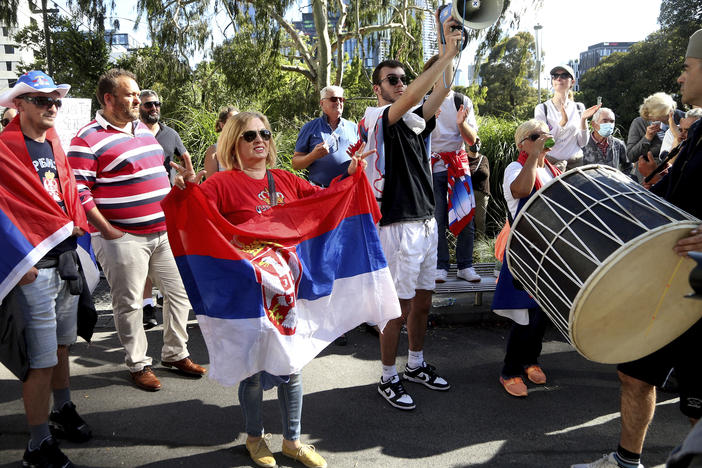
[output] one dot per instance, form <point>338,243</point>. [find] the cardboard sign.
<point>73,115</point>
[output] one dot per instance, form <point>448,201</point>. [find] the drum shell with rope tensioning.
<point>595,250</point>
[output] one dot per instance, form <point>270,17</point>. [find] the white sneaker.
<point>607,461</point>
<point>440,275</point>
<point>468,274</point>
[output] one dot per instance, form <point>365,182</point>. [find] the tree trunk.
<point>319,10</point>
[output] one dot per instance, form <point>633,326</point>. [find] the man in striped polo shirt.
<point>118,165</point>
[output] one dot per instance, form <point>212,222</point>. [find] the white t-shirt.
<point>511,173</point>
<point>569,139</point>
<point>446,136</point>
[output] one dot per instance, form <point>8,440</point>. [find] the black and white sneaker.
<point>425,374</point>
<point>394,393</point>
<point>48,455</point>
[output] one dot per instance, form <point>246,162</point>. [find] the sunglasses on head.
<point>250,135</point>
<point>563,76</point>
<point>336,99</point>
<point>43,101</point>
<point>394,79</point>
<point>151,104</point>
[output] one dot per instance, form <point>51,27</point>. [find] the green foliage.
<point>196,127</point>
<point>79,57</point>
<point>497,144</point>
<point>625,79</point>
<point>685,15</point>
<point>507,74</point>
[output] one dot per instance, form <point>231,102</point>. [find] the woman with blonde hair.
<point>244,188</point>
<point>647,131</point>
<point>522,178</point>
<point>211,165</point>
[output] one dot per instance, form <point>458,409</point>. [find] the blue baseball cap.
<point>35,81</point>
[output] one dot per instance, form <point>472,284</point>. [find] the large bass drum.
<point>595,250</point>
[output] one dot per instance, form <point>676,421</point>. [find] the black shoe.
<point>48,455</point>
<point>149,317</point>
<point>67,424</point>
<point>426,374</point>
<point>395,394</point>
<point>342,340</point>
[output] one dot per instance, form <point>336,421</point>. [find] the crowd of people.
<point>420,149</point>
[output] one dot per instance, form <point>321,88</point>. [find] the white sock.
<point>389,372</point>
<point>149,301</point>
<point>415,359</point>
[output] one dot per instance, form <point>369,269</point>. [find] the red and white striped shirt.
<point>121,173</point>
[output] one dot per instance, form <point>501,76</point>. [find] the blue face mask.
<point>606,129</point>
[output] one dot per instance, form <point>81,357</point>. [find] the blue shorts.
<point>50,316</point>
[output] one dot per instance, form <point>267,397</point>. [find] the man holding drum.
<point>682,186</point>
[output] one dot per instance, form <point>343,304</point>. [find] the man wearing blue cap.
<point>48,292</point>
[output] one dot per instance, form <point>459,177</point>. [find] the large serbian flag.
<point>31,223</point>
<point>271,293</point>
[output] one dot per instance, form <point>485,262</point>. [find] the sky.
<point>569,26</point>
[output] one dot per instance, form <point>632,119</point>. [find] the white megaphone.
<point>474,14</point>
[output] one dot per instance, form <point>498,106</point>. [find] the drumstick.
<point>673,153</point>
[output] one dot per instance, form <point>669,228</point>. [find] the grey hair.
<point>331,89</point>
<point>147,93</point>
<point>694,113</point>
<point>596,115</point>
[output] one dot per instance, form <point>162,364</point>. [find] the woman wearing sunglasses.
<point>522,178</point>
<point>566,119</point>
<point>246,187</point>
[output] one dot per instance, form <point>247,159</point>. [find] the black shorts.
<point>684,354</point>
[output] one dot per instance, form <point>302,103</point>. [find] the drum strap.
<point>684,163</point>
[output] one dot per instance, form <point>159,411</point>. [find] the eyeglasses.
<point>533,137</point>
<point>43,101</point>
<point>250,135</point>
<point>336,99</point>
<point>151,104</point>
<point>563,76</point>
<point>394,79</point>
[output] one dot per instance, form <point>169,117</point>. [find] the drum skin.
<point>594,249</point>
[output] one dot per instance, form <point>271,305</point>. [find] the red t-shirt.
<point>239,197</point>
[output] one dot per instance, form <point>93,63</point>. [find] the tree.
<point>78,57</point>
<point>507,75</point>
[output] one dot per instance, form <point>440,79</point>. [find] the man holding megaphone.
<point>401,177</point>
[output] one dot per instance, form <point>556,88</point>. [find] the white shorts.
<point>410,249</point>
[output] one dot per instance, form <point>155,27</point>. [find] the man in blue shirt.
<point>322,143</point>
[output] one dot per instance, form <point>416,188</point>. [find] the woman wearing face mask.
<point>602,147</point>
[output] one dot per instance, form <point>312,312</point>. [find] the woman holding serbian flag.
<point>522,178</point>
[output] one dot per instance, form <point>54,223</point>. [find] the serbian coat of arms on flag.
<point>271,293</point>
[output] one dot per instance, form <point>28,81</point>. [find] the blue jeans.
<point>464,241</point>
<point>289,399</point>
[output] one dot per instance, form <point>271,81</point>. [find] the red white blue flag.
<point>271,293</point>
<point>31,222</point>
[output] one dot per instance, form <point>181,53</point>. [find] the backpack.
<point>579,105</point>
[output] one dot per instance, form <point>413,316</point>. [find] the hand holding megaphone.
<point>453,36</point>
<point>474,14</point>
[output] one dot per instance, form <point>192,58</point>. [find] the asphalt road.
<point>198,423</point>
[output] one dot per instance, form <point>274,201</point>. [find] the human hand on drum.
<point>691,243</point>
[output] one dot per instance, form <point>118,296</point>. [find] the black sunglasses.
<point>563,76</point>
<point>336,99</point>
<point>533,137</point>
<point>151,104</point>
<point>394,79</point>
<point>5,122</point>
<point>43,101</point>
<point>250,135</point>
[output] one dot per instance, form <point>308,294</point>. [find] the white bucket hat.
<point>34,81</point>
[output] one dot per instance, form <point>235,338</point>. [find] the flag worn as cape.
<point>271,293</point>
<point>31,223</point>
<point>461,198</point>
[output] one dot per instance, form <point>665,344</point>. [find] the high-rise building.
<point>120,43</point>
<point>12,53</point>
<point>596,52</point>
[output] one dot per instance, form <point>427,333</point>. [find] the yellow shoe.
<point>260,453</point>
<point>306,455</point>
